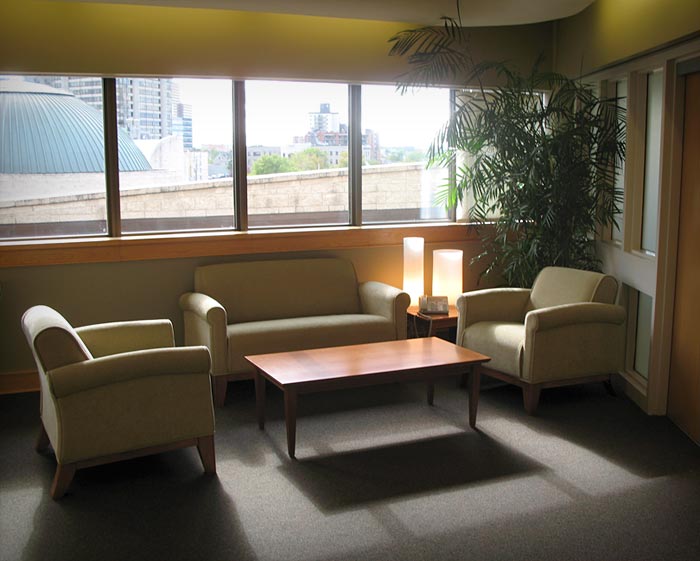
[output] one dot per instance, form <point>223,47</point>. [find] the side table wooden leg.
<point>474,386</point>
<point>260,398</point>
<point>290,414</point>
<point>431,391</point>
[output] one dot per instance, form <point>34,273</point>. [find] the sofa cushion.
<point>293,334</point>
<point>502,341</point>
<point>263,290</point>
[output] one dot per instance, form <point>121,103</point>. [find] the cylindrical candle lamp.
<point>413,268</point>
<point>447,274</point>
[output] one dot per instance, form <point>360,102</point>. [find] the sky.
<point>278,111</point>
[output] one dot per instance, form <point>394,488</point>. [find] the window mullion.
<point>109,112</point>
<point>240,160</point>
<point>355,154</point>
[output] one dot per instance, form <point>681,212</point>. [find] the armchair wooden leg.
<point>220,385</point>
<point>61,480</point>
<point>205,447</point>
<point>42,440</point>
<point>609,387</point>
<point>531,397</point>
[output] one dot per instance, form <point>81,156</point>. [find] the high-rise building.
<point>145,105</point>
<point>324,120</point>
<point>182,123</point>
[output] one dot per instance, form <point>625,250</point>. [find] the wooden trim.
<point>19,382</point>
<point>179,246</point>
<point>635,160</point>
<point>669,211</point>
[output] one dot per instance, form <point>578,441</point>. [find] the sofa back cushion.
<point>264,290</point>
<point>559,285</point>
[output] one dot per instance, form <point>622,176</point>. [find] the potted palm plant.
<point>535,154</point>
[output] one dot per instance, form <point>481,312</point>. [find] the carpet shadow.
<point>138,509</point>
<point>347,480</point>
<point>611,426</point>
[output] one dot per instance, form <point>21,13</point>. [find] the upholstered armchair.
<point>115,391</point>
<point>565,330</point>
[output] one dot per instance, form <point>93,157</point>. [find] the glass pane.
<point>179,176</point>
<point>52,168</point>
<point>645,311</point>
<point>652,162</point>
<point>297,136</point>
<point>397,132</point>
<point>617,231</point>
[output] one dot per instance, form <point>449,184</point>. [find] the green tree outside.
<point>310,159</point>
<point>272,163</point>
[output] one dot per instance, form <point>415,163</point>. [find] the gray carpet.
<point>380,475</point>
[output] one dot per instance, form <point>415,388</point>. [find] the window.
<point>52,164</point>
<point>645,311</point>
<point>181,179</point>
<point>652,162</point>
<point>397,131</point>
<point>307,151</point>
<point>302,131</point>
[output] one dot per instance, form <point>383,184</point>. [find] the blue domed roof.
<point>45,130</point>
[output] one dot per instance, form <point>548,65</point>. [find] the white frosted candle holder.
<point>413,249</point>
<point>447,274</point>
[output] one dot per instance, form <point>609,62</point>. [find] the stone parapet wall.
<point>394,186</point>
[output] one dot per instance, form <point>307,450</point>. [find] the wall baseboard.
<point>19,382</point>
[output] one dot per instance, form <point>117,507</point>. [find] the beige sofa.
<point>247,308</point>
<point>565,330</point>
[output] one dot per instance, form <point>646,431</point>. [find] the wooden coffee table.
<point>333,368</point>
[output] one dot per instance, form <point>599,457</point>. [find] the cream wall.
<point>609,31</point>
<point>93,293</point>
<point>110,39</point>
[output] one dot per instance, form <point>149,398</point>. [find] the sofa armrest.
<point>573,340</point>
<point>381,299</point>
<point>205,324</point>
<point>118,368</point>
<point>105,339</point>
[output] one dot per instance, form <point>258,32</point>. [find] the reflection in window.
<point>652,162</point>
<point>52,168</point>
<point>617,231</point>
<point>397,131</point>
<point>183,130</point>
<point>297,135</point>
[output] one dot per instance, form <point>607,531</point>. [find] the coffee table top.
<point>330,363</point>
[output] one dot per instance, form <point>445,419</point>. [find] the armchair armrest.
<point>205,324</point>
<point>573,314</point>
<point>573,340</point>
<point>105,339</point>
<point>385,300</point>
<point>114,369</point>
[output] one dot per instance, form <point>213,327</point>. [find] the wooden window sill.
<point>187,245</point>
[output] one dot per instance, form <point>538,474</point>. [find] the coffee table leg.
<point>474,384</point>
<point>290,413</point>
<point>260,398</point>
<point>431,392</point>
